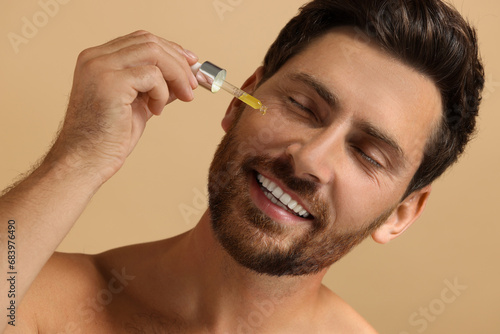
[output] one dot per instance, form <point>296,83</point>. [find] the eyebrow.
<point>331,99</point>
<point>376,133</point>
<point>323,91</point>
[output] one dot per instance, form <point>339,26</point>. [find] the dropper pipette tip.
<point>263,110</point>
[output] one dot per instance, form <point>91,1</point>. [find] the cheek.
<point>269,132</point>
<point>352,203</point>
<point>358,202</point>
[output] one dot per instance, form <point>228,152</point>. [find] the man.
<point>368,103</point>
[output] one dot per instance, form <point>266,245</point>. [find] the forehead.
<point>371,86</point>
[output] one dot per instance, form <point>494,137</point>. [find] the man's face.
<point>293,191</point>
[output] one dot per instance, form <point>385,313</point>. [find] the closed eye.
<point>301,109</point>
<point>298,105</point>
<point>366,157</point>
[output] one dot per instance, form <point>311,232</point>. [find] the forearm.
<point>42,209</point>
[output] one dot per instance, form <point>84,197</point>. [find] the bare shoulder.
<point>62,285</point>
<point>76,291</point>
<point>339,317</point>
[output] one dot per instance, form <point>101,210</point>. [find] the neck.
<point>225,291</point>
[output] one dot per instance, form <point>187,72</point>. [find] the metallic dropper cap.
<point>210,76</point>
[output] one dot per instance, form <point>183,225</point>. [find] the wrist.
<point>74,168</point>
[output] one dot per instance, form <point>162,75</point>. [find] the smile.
<point>279,197</point>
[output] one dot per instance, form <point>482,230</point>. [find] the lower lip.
<point>273,211</point>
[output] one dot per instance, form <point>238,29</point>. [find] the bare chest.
<point>120,315</point>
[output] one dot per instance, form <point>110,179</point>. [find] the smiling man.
<point>299,194</point>
<point>368,103</point>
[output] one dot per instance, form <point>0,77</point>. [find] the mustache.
<point>282,169</point>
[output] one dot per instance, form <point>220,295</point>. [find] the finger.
<point>172,68</point>
<point>149,81</point>
<point>113,44</point>
<point>190,56</point>
<point>139,119</point>
<point>109,47</point>
<point>185,58</point>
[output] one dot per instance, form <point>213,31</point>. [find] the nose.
<point>314,158</point>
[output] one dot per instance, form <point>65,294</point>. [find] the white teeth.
<point>272,198</point>
<point>266,183</point>
<point>277,196</point>
<point>298,208</point>
<point>271,186</point>
<point>292,204</point>
<point>280,205</point>
<point>278,192</point>
<point>285,198</point>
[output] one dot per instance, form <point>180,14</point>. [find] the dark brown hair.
<point>428,35</point>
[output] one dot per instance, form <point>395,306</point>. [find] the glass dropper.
<point>213,78</point>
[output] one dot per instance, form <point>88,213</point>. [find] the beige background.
<point>455,240</point>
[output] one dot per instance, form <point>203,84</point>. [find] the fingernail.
<point>200,78</point>
<point>190,54</point>
<point>193,81</point>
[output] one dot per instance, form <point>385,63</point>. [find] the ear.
<point>405,214</point>
<point>248,86</point>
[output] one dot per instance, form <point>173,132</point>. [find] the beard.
<point>251,237</point>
